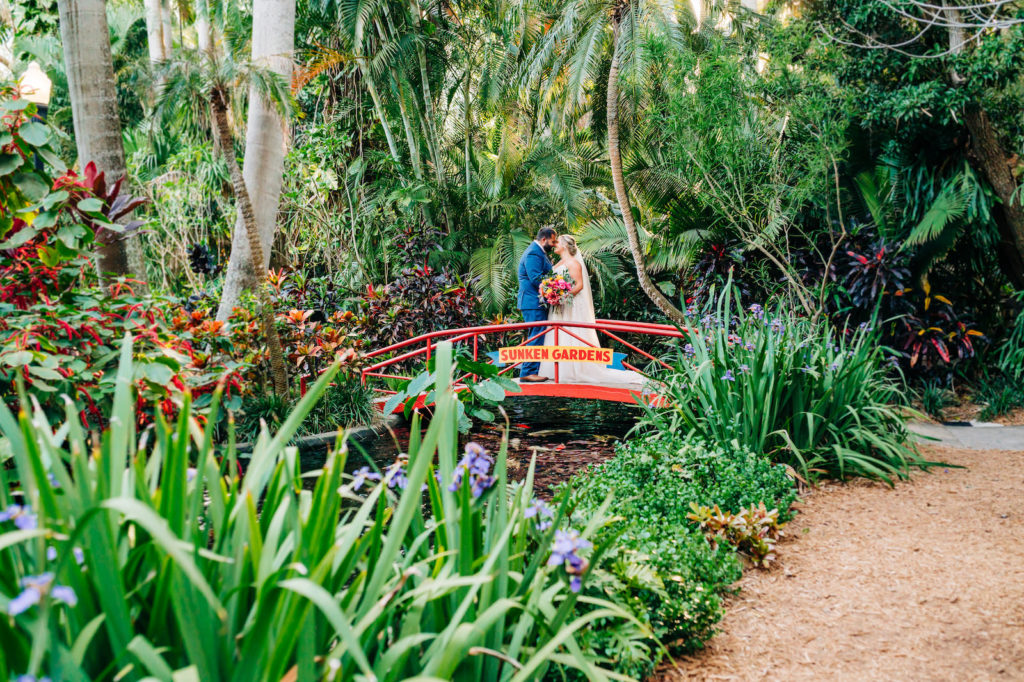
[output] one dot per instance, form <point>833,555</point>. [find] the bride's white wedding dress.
<point>581,309</point>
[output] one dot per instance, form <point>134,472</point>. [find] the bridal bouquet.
<point>555,288</point>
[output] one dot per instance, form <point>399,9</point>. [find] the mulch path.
<point>921,582</point>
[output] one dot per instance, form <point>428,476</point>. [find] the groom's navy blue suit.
<point>532,267</point>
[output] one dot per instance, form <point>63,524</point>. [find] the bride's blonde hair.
<point>569,242</point>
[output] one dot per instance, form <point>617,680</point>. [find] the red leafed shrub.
<point>61,328</point>
<point>310,345</point>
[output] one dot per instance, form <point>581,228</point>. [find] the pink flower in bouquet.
<point>555,289</point>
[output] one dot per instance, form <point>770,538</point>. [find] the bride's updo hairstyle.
<point>569,242</point>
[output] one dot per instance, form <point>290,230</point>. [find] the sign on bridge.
<point>514,354</point>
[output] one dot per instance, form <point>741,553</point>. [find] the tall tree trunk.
<point>615,160</point>
<point>90,72</point>
<point>273,32</point>
<point>467,112</point>
<point>204,27</point>
<point>167,27</point>
<point>155,32</point>
<point>993,162</point>
<point>251,233</point>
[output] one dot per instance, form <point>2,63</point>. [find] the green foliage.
<point>999,396</point>
<point>484,386</point>
<point>155,554</point>
<point>345,403</point>
<point>1011,352</point>
<point>817,399</point>
<point>660,564</point>
<point>59,323</point>
<point>935,398</point>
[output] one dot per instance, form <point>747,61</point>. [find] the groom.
<point>533,266</point>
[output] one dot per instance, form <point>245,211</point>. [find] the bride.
<point>580,309</point>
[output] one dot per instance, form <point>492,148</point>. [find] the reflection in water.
<point>565,433</point>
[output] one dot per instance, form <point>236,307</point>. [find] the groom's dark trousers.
<point>533,266</point>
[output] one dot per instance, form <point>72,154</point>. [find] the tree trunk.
<point>615,160</point>
<point>467,124</point>
<point>204,27</point>
<point>154,32</point>
<point>993,162</point>
<point>273,34</point>
<point>90,73</point>
<point>988,154</point>
<point>167,25</point>
<point>250,231</point>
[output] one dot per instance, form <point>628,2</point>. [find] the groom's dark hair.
<point>545,233</point>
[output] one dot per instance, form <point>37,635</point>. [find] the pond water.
<point>565,433</point>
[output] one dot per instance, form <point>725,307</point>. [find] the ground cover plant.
<point>822,400</point>
<point>661,565</point>
<point>156,557</point>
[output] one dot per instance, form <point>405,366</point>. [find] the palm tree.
<point>273,40</point>
<point>572,57</point>
<point>208,80</point>
<point>90,74</point>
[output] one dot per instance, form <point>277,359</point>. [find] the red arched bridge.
<point>485,341</point>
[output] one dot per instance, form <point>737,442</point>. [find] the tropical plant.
<point>661,566</point>
<point>154,554</point>
<point>273,41</point>
<point>572,56</point>
<point>90,72</point>
<point>59,324</point>
<point>483,389</point>
<point>753,531</point>
<point>211,78</point>
<point>820,400</point>
<point>1011,352</point>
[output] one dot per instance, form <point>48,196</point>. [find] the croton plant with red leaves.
<point>60,326</point>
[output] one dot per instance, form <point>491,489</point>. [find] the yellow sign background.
<point>514,354</point>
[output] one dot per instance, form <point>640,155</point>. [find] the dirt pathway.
<point>924,582</point>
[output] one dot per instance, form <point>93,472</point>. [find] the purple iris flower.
<point>363,475</point>
<point>728,376</point>
<point>688,349</point>
<point>190,474</point>
<point>34,588</point>
<point>31,678</point>
<point>748,346</point>
<point>22,517</point>
<point>52,555</point>
<point>564,553</point>
<point>834,366</point>
<point>540,509</point>
<point>475,465</point>
<point>757,311</point>
<point>395,476</point>
<point>54,483</point>
<point>777,326</point>
<point>744,369</point>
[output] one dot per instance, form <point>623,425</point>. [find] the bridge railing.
<point>396,354</point>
